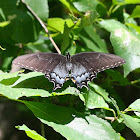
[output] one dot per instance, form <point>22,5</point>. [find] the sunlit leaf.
<point>132,123</point>
<point>125,43</point>
<point>39,7</point>
<point>88,5</point>
<point>57,24</point>
<point>4,23</point>
<point>92,40</point>
<point>71,125</point>
<point>93,100</point>
<point>30,133</point>
<point>137,28</point>
<point>124,2</point>
<point>100,91</point>
<point>136,12</point>
<point>15,93</point>
<point>135,105</point>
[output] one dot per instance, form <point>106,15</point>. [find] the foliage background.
<point>70,113</point>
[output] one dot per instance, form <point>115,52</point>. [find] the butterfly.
<point>80,68</point>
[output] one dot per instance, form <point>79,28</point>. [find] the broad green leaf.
<point>72,48</point>
<point>132,1</point>
<point>57,24</point>
<point>136,12</point>
<point>7,62</point>
<point>27,76</point>
<point>124,2</point>
<point>135,105</point>
<point>33,80</point>
<point>22,28</point>
<point>71,125</point>
<point>4,23</point>
<point>39,7</point>
<point>30,133</point>
<point>65,38</point>
<point>132,123</point>
<point>126,44</point>
<point>100,91</point>
<point>87,5</point>
<point>5,75</point>
<point>93,100</point>
<point>92,40</point>
<point>137,28</point>
<point>30,84</point>
<point>36,80</point>
<point>117,76</point>
<point>131,23</point>
<point>15,93</point>
<point>70,6</point>
<point>129,20</point>
<point>89,18</point>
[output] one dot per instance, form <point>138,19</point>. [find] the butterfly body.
<point>80,68</point>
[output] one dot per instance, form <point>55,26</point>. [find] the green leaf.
<point>30,133</point>
<point>124,2</point>
<point>136,12</point>
<point>88,18</point>
<point>3,49</point>
<point>90,5</point>
<point>4,23</point>
<point>117,76</point>
<point>39,7</point>
<point>24,77</point>
<point>33,80</point>
<point>126,44</point>
<point>69,124</point>
<point>100,91</point>
<point>65,38</point>
<point>93,100</point>
<point>23,27</point>
<point>135,105</point>
<point>92,40</point>
<point>69,90</point>
<point>15,93</point>
<point>70,6</point>
<point>132,123</point>
<point>57,24</point>
<point>137,28</point>
<point>129,20</point>
<point>5,75</point>
<point>132,2</point>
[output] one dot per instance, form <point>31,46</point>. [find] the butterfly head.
<point>68,56</point>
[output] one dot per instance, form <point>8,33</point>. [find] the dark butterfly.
<point>80,68</point>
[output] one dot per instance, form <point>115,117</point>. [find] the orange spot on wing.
<point>66,79</point>
<point>73,80</point>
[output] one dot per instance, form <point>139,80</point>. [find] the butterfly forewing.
<point>41,62</point>
<point>96,62</point>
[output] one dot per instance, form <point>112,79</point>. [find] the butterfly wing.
<point>52,64</point>
<point>88,64</point>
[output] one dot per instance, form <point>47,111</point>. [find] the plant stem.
<point>43,26</point>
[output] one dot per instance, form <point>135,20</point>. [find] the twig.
<point>112,119</point>
<point>44,27</point>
